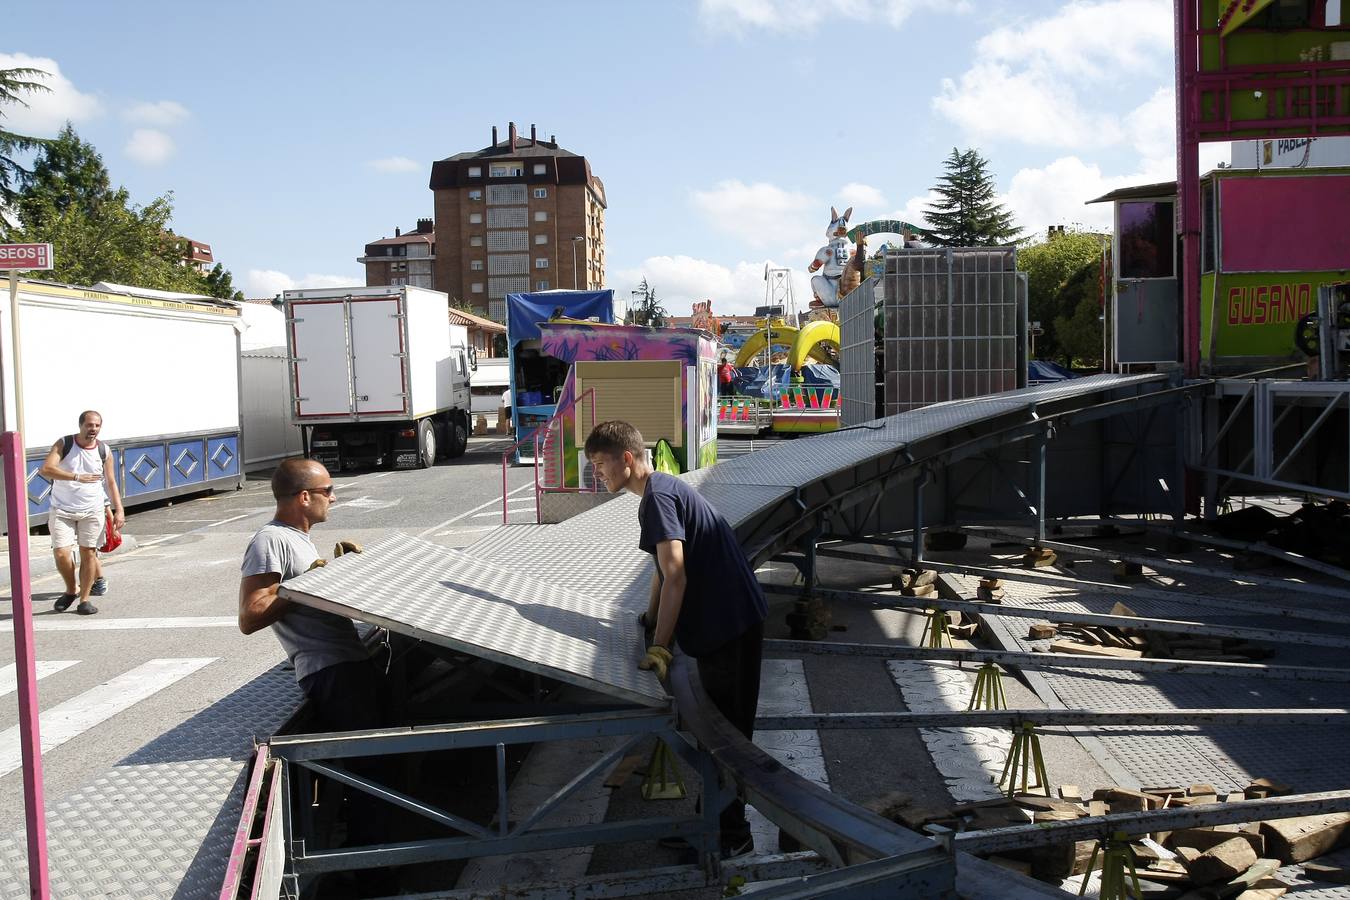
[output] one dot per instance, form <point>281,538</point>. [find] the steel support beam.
<point>1136,623</point>
<point>1054,661</point>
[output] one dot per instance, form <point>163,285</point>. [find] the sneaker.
<point>100,587</point>
<point>737,845</point>
<point>63,602</point>
<point>86,608</point>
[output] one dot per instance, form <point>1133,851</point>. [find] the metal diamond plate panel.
<point>504,536</point>
<point>738,502</point>
<point>486,610</point>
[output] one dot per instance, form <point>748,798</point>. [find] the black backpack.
<point>69,441</point>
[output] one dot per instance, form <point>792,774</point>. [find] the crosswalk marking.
<point>77,715</point>
<point>84,623</point>
<point>9,675</point>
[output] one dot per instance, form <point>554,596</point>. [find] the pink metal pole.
<point>25,662</point>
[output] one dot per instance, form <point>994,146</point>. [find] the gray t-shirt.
<point>312,639</point>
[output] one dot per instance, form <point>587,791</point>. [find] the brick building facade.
<point>405,258</point>
<point>514,217</point>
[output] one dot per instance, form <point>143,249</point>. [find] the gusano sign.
<point>1270,303</point>
<point>25,256</point>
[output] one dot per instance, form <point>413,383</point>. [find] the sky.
<point>724,130</point>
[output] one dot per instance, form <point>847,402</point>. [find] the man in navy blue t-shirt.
<point>704,594</point>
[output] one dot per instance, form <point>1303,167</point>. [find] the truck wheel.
<point>426,444</point>
<point>459,435</point>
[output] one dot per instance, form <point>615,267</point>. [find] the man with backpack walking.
<point>77,466</point>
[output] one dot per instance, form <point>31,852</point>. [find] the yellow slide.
<point>802,343</point>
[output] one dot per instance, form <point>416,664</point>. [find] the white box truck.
<point>162,368</point>
<point>378,376</point>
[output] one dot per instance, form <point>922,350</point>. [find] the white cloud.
<point>681,280</point>
<point>149,147</point>
<point>861,196</point>
<point>761,214</point>
<point>1051,81</point>
<point>737,16</point>
<point>1057,194</point>
<point>270,282</point>
<point>46,111</point>
<point>160,114</point>
<point>396,164</point>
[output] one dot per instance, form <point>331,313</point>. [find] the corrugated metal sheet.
<point>857,354</point>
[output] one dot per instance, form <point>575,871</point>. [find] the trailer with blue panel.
<point>162,369</point>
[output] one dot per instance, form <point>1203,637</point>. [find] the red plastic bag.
<point>112,538</point>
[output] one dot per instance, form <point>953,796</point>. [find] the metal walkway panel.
<point>486,610</point>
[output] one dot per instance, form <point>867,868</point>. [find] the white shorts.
<point>67,526</point>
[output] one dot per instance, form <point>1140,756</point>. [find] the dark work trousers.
<point>730,675</point>
<point>351,696</point>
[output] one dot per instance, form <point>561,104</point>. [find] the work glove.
<point>342,547</point>
<point>657,659</point>
<point>317,564</point>
<point>647,625</point>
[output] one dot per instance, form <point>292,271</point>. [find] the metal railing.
<point>550,455</point>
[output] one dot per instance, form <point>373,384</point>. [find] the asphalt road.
<point>185,565</point>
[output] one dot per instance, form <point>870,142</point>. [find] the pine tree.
<point>14,82</point>
<point>966,213</point>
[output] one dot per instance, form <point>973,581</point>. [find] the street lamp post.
<point>574,262</point>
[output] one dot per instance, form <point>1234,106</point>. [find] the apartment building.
<point>405,258</point>
<point>521,214</point>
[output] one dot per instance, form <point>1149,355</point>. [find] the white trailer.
<point>378,376</point>
<point>162,369</point>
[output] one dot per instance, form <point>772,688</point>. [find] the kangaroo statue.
<point>853,272</point>
<point>830,261</point>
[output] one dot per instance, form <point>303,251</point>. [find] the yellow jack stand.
<point>663,781</point>
<point>1116,858</point>
<point>935,630</point>
<point>988,689</point>
<point>1026,754</point>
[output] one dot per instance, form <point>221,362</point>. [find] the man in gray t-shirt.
<point>331,664</point>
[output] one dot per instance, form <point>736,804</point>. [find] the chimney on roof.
<point>424,226</point>
<point>553,139</point>
<point>511,131</point>
<point>533,139</point>
<point>494,135</point>
<point>397,233</point>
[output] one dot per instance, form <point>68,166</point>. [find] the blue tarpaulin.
<point>524,312</point>
<point>760,382</point>
<point>1041,372</point>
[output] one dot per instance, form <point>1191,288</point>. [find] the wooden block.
<point>1202,839</point>
<point>991,583</point>
<point>1128,571</point>
<point>1165,872</point>
<point>989,595</point>
<point>1323,872</point>
<point>1260,871</point>
<point>1120,609</point>
<point>1038,803</point>
<point>1040,631</point>
<point>920,577</point>
<point>1137,642</point>
<point>1188,855</point>
<point>1097,808</point>
<point>964,632</point>
<point>1271,788</point>
<point>1055,815</point>
<point>1070,792</point>
<point>1039,557</point>
<point>1200,790</point>
<point>923,590</point>
<point>1088,650</point>
<point>1126,800</point>
<point>1164,790</point>
<point>1305,837</point>
<point>1265,889</point>
<point>1222,862</point>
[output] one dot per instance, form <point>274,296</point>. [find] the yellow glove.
<point>656,660</point>
<point>317,564</point>
<point>342,547</point>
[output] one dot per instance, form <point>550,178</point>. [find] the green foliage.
<point>97,233</point>
<point>966,213</point>
<point>1079,331</point>
<point>13,84</point>
<point>1054,269</point>
<point>646,309</point>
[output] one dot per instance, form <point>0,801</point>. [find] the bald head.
<point>296,475</point>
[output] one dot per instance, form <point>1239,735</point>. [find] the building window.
<point>475,171</point>
<point>505,193</point>
<point>507,170</point>
<point>541,216</point>
<point>508,264</point>
<point>476,287</point>
<point>475,218</point>
<point>476,240</point>
<point>541,239</point>
<point>476,265</point>
<point>541,262</point>
<point>541,193</point>
<point>541,285</point>
<point>540,168</point>
<point>475,194</point>
<point>507,217</point>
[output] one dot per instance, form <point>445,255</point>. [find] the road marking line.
<point>69,720</point>
<point>73,623</point>
<point>9,675</point>
<point>469,512</point>
<point>466,530</point>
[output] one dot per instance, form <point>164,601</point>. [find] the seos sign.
<point>20,257</point>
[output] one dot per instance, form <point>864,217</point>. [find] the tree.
<point>646,310</point>
<point>68,172</point>
<point>966,213</point>
<point>1079,331</point>
<point>13,83</point>
<point>219,283</point>
<point>1050,267</point>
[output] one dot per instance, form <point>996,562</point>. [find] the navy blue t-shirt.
<point>722,598</point>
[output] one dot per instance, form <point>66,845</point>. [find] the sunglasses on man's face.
<point>326,490</point>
